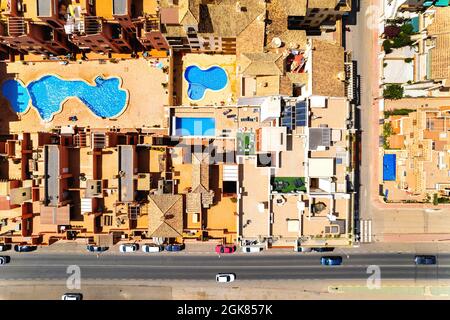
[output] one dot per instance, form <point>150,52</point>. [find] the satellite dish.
<point>276,42</point>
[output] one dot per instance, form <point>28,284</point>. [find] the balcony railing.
<point>92,25</point>
<point>17,26</point>
<point>151,24</point>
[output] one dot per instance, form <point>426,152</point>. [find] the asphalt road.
<point>33,266</point>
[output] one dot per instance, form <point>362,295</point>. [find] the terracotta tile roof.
<point>319,4</point>
<point>251,39</point>
<point>200,196</point>
<point>261,64</point>
<point>327,67</point>
<point>165,215</point>
<point>294,39</point>
<point>210,17</point>
<point>440,57</point>
<point>193,202</point>
<point>294,7</point>
<point>278,12</point>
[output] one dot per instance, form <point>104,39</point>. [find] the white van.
<point>151,248</point>
<point>251,249</point>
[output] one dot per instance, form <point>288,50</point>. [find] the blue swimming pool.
<point>214,78</point>
<point>389,167</point>
<point>105,98</point>
<point>195,127</point>
<point>16,94</point>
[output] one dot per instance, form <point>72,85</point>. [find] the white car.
<point>151,248</point>
<point>302,249</point>
<point>251,249</point>
<point>4,260</point>
<point>128,247</point>
<point>72,296</point>
<point>225,277</point>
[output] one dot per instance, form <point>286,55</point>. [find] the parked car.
<point>225,277</point>
<point>322,249</point>
<point>128,247</point>
<point>151,248</point>
<point>4,247</point>
<point>24,248</point>
<point>4,260</point>
<point>94,248</point>
<point>225,249</point>
<point>174,247</point>
<point>251,249</point>
<point>331,261</point>
<point>302,249</point>
<point>425,259</point>
<point>72,296</point>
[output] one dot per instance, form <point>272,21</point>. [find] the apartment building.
<point>208,26</point>
<point>433,58</point>
<point>299,169</point>
<point>34,26</point>
<point>418,144</point>
<point>319,15</point>
<point>291,73</point>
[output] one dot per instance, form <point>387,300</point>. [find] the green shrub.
<point>409,60</point>
<point>407,28</point>
<point>387,46</point>
<point>402,40</point>
<point>398,112</point>
<point>393,92</point>
<point>443,200</point>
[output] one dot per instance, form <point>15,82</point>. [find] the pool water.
<point>16,94</point>
<point>389,167</point>
<point>214,78</point>
<point>195,126</point>
<point>104,99</point>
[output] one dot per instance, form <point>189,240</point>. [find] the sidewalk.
<point>416,237</point>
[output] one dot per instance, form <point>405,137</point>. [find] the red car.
<point>225,249</point>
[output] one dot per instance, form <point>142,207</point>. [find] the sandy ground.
<point>207,290</point>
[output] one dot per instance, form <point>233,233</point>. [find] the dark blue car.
<point>93,248</point>
<point>24,248</point>
<point>322,249</point>
<point>174,247</point>
<point>331,261</point>
<point>425,259</point>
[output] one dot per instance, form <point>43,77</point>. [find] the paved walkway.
<point>239,290</point>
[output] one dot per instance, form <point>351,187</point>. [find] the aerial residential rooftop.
<point>164,124</point>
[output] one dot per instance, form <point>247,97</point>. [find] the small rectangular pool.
<point>389,167</point>
<point>194,127</point>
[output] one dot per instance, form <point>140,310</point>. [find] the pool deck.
<point>204,61</point>
<point>147,97</point>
